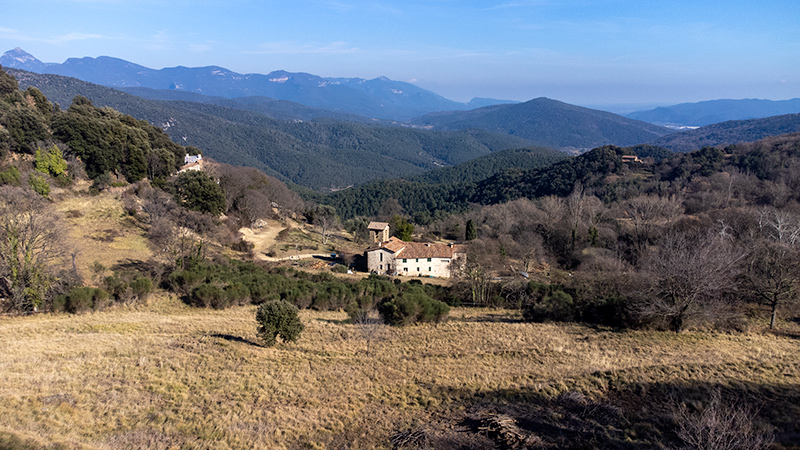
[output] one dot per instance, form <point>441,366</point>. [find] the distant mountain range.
<point>730,132</point>
<point>275,109</point>
<point>716,111</point>
<point>377,98</point>
<point>548,123</point>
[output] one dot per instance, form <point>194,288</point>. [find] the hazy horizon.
<point>609,54</point>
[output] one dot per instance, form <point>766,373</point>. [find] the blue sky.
<point>583,52</point>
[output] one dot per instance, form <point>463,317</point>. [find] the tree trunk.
<point>774,315</point>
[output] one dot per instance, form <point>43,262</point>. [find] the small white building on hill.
<point>191,162</point>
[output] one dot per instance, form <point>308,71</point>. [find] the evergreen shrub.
<point>278,318</point>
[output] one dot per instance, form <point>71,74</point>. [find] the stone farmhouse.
<point>415,259</point>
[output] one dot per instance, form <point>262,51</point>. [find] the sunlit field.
<point>168,376</point>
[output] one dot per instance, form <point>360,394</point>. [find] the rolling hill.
<point>427,195</point>
<point>730,132</point>
<point>716,111</point>
<point>548,123</point>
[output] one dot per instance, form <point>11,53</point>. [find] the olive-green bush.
<point>278,318</point>
<point>412,306</point>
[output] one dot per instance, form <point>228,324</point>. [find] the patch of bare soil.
<point>264,238</point>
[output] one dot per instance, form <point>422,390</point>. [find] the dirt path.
<point>263,240</point>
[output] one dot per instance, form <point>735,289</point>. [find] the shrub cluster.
<point>81,299</point>
<point>227,283</point>
<point>412,305</point>
<point>117,288</point>
<point>556,303</point>
<point>222,284</point>
<point>10,175</point>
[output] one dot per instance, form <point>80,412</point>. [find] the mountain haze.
<point>276,109</point>
<point>379,98</point>
<point>716,111</point>
<point>730,132</point>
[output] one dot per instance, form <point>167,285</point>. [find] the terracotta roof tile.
<point>426,250</point>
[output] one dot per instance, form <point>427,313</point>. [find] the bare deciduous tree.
<point>721,426</point>
<point>647,213</point>
<point>30,248</point>
<point>780,225</point>
<point>688,273</point>
<point>369,324</point>
<point>772,276</point>
<point>477,278</point>
<point>325,218</point>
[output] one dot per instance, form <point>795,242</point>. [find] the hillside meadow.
<point>163,375</point>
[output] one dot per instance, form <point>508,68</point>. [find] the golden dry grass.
<point>98,228</point>
<point>167,376</point>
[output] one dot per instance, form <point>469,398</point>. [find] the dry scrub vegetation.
<point>164,375</point>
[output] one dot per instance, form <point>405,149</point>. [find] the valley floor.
<point>164,375</point>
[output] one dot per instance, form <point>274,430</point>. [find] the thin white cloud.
<point>332,48</point>
<point>159,41</point>
<point>77,37</point>
<point>348,6</point>
<point>200,48</point>
<point>10,33</point>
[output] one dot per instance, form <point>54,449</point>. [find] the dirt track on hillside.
<point>265,238</point>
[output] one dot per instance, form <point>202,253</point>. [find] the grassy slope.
<point>98,228</point>
<point>165,375</point>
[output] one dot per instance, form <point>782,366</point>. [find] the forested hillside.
<point>719,223</point>
<point>730,132</point>
<point>318,154</point>
<point>436,193</point>
<point>49,155</point>
<point>549,123</point>
<point>275,109</point>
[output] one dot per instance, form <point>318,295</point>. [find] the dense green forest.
<point>432,194</point>
<point>318,154</point>
<point>496,178</point>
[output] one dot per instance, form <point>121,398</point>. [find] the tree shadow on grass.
<point>347,321</point>
<point>490,317</point>
<point>231,338</point>
<point>132,265</point>
<point>633,409</point>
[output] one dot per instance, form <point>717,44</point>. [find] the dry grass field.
<point>100,231</point>
<point>164,375</point>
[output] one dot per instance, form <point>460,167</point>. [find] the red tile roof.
<point>427,250</point>
<point>403,249</point>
